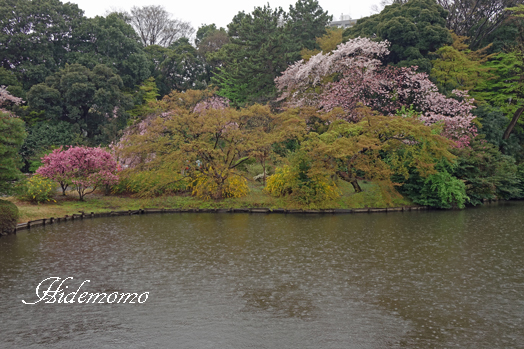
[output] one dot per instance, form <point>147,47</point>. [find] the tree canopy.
<point>262,44</point>
<point>91,100</point>
<point>361,78</point>
<point>36,37</point>
<point>476,19</point>
<point>155,26</point>
<point>414,29</point>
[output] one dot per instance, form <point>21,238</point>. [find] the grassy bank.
<point>373,195</point>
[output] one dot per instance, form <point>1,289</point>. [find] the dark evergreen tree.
<point>261,48</point>
<point>308,21</point>
<point>91,100</point>
<point>414,29</point>
<point>182,68</point>
<point>39,37</point>
<point>35,37</point>
<point>113,42</point>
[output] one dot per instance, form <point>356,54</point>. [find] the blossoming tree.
<point>83,167</point>
<point>354,75</point>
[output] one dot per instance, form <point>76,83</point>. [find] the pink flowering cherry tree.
<point>84,168</point>
<point>353,75</point>
<point>56,167</point>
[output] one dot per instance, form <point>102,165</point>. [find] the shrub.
<point>487,173</point>
<point>440,190</point>
<point>206,187</point>
<point>8,217</point>
<point>282,182</point>
<point>301,187</point>
<point>36,189</point>
<point>150,183</point>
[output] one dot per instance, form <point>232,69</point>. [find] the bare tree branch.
<point>155,26</point>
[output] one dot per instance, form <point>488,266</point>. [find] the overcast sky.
<point>220,12</point>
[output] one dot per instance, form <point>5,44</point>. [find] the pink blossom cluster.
<point>353,75</point>
<point>300,79</point>
<point>83,167</point>
<point>141,128</point>
<point>5,96</point>
<point>455,116</point>
<point>214,102</point>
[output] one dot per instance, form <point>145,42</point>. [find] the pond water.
<point>407,279</point>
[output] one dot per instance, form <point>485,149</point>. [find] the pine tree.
<point>261,48</point>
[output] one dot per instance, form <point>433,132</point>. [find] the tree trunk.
<point>353,180</point>
<point>64,188</point>
<point>513,122</point>
<point>264,172</point>
<point>355,185</point>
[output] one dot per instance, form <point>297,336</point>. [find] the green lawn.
<point>373,195</point>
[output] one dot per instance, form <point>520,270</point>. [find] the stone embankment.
<point>83,215</point>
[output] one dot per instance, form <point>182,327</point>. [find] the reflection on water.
<point>412,279</point>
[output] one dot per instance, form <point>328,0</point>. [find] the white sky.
<point>220,12</point>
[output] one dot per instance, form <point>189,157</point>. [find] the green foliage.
<point>414,29</point>
<point>8,217</point>
<point>147,92</point>
<point>481,170</point>
<point>200,136</point>
<point>457,67</point>
<point>182,68</point>
<point>302,183</point>
<point>262,45</point>
<point>36,189</point>
<point>42,36</point>
<point>90,99</point>
<point>520,177</point>
<point>504,37</point>
<point>36,162</point>
<point>8,79</point>
<point>44,137</point>
<point>177,67</point>
<point>36,37</point>
<point>113,42</point>
<point>308,21</point>
<point>376,148</point>
<point>494,123</point>
<point>156,182</point>
<point>486,172</point>
<point>506,90</point>
<point>327,43</point>
<point>440,190</point>
<point>204,31</point>
<point>12,134</point>
<point>260,49</point>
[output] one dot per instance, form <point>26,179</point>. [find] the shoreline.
<point>257,210</point>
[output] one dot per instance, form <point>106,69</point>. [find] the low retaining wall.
<point>52,220</point>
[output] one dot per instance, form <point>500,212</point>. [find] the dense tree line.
<point>281,89</point>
